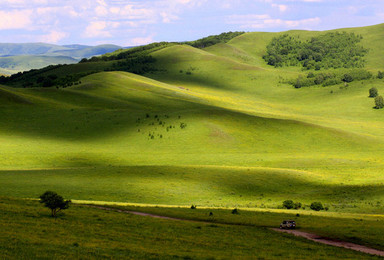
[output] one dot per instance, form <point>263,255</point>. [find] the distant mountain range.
<point>15,57</point>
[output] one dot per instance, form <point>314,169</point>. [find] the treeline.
<point>138,65</point>
<point>331,78</point>
<point>131,53</point>
<point>45,77</point>
<point>329,50</point>
<point>213,39</point>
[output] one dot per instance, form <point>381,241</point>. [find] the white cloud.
<point>140,41</point>
<point>97,29</point>
<point>54,37</point>
<point>282,8</point>
<point>167,17</point>
<point>15,19</point>
<point>265,21</point>
<point>101,11</point>
<point>102,2</point>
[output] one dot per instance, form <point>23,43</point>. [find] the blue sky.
<point>135,22</point>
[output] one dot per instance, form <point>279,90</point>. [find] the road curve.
<point>332,242</point>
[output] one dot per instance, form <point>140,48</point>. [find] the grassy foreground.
<point>86,233</point>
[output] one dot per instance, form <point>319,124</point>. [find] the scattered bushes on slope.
<point>331,78</point>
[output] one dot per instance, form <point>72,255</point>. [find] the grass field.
<point>215,127</point>
<point>88,233</point>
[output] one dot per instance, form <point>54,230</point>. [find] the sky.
<point>134,22</point>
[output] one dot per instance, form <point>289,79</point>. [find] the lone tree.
<point>379,102</point>
<point>373,92</point>
<point>54,201</point>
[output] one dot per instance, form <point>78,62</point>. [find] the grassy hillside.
<point>214,126</point>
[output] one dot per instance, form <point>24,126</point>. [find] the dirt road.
<point>332,242</point>
<point>310,236</point>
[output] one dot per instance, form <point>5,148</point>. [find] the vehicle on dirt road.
<point>288,224</point>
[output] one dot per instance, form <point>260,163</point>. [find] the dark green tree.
<point>380,74</point>
<point>288,204</point>
<point>373,92</point>
<point>317,206</point>
<point>54,201</point>
<point>379,102</point>
<point>347,78</point>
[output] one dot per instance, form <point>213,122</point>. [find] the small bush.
<point>380,74</point>
<point>317,206</point>
<point>297,205</point>
<point>235,211</point>
<point>379,102</point>
<point>193,206</point>
<point>347,78</point>
<point>373,92</point>
<point>288,204</point>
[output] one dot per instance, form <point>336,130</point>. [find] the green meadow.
<point>216,127</point>
<point>87,233</point>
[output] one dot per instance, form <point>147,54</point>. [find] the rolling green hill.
<point>17,57</point>
<point>215,126</point>
<point>14,64</point>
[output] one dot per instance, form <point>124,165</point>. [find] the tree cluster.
<point>289,204</point>
<point>329,50</point>
<point>331,78</point>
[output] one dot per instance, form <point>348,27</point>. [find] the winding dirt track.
<point>309,236</point>
<point>332,242</point>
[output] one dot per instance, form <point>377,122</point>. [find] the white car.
<point>288,224</point>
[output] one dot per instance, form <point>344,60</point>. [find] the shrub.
<point>317,206</point>
<point>347,78</point>
<point>310,75</point>
<point>193,206</point>
<point>288,204</point>
<point>235,211</point>
<point>373,92</point>
<point>379,102</point>
<point>297,205</point>
<point>380,74</point>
